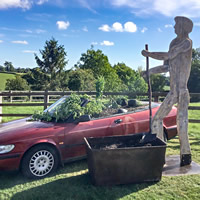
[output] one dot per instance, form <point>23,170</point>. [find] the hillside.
<point>3,77</point>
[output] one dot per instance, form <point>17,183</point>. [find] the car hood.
<point>20,129</point>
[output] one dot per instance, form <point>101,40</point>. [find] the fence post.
<point>11,98</point>
<point>1,112</point>
<point>46,99</point>
<point>156,98</point>
<point>30,96</point>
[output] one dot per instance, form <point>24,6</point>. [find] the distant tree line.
<point>92,66</point>
<point>8,67</point>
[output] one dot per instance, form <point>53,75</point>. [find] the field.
<point>3,77</point>
<point>73,181</point>
<point>19,110</point>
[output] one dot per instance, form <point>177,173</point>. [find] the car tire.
<point>39,162</point>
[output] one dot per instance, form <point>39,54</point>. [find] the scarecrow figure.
<point>178,62</point>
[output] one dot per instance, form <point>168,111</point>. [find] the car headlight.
<point>6,148</point>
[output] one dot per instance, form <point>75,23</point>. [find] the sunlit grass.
<point>3,78</point>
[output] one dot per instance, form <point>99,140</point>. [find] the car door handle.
<point>118,121</point>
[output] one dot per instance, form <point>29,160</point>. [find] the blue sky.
<point>120,28</point>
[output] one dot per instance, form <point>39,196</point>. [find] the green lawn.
<point>3,77</point>
<point>19,110</point>
<point>73,181</point>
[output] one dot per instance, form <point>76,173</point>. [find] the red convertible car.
<point>37,148</point>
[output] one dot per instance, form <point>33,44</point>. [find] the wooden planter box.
<point>118,160</point>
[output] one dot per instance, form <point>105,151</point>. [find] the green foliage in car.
<point>100,84</point>
<point>72,107</point>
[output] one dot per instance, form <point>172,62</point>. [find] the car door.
<point>74,146</point>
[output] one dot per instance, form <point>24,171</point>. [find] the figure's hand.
<point>145,53</point>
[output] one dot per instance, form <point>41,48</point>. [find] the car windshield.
<point>51,109</point>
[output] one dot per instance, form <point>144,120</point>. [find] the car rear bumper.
<point>10,161</point>
<point>171,132</point>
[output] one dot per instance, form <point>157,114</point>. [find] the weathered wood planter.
<point>122,160</point>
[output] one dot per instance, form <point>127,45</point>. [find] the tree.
<point>124,72</point>
<point>158,81</point>
<point>95,61</point>
<point>98,63</point>
<point>53,62</point>
<point>81,80</point>
<point>17,84</point>
<point>37,79</point>
<point>196,54</point>
<point>113,83</point>
<point>194,79</point>
<point>2,69</point>
<point>9,66</point>
<point>130,78</point>
<point>137,84</point>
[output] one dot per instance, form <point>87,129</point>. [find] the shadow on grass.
<point>78,187</point>
<point>70,182</point>
<point>10,179</point>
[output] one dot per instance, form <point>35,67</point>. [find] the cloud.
<point>38,31</point>
<point>107,43</point>
<point>24,4</point>
<point>118,27</point>
<point>94,43</point>
<point>19,42</point>
<point>1,41</point>
<point>105,28</point>
<point>159,30</point>
<point>168,26</point>
<point>29,31</point>
<point>85,29</point>
<point>62,25</point>
<point>169,8</point>
<point>39,17</point>
<point>40,2</point>
<point>88,4</point>
<point>130,27</point>
<point>29,51</point>
<point>144,29</point>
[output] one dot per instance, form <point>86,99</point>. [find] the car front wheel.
<point>39,161</point>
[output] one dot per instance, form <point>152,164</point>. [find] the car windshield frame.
<point>52,108</point>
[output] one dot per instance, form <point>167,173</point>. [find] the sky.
<point>120,28</point>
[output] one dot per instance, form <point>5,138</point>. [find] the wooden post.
<point>149,89</point>
<point>46,99</point>
<point>1,112</point>
<point>30,96</point>
<point>156,98</point>
<point>11,98</point>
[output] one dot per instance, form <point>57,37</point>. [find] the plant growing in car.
<point>72,107</point>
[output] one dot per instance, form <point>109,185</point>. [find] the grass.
<point>3,78</point>
<point>19,110</point>
<point>73,181</point>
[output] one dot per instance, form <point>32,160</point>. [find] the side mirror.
<point>83,118</point>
